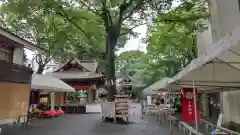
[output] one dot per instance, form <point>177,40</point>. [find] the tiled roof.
<point>90,66</point>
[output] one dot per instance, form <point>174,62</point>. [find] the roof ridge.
<point>69,60</point>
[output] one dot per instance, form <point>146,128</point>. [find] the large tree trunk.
<point>112,38</point>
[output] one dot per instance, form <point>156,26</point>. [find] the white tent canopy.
<point>160,85</point>
<point>219,67</point>
<point>215,73</point>
<point>168,84</point>
<point>49,83</point>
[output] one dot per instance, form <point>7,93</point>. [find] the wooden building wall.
<point>60,98</point>
<point>14,99</point>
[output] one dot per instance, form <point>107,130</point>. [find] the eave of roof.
<point>75,75</point>
<point>20,40</point>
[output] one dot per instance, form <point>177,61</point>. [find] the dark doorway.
<point>214,105</point>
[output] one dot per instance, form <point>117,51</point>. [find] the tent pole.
<point>170,119</point>
<point>169,100</point>
<point>141,101</point>
<point>221,100</point>
<point>195,102</point>
<point>52,101</point>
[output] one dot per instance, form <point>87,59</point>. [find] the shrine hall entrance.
<point>82,96</point>
<point>84,76</point>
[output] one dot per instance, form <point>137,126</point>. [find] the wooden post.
<point>90,96</point>
<point>52,101</point>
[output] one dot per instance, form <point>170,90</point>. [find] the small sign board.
<point>134,112</point>
<point>149,100</point>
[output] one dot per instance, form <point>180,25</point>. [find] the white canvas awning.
<point>160,85</point>
<point>49,83</point>
<point>168,84</point>
<point>215,73</point>
<point>218,67</point>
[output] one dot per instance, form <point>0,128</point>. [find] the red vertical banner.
<point>187,101</point>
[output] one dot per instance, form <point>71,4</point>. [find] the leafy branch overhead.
<point>171,44</point>
<point>130,13</point>
<point>97,15</point>
<point>95,28</point>
<point>32,21</point>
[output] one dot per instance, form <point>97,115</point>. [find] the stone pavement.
<point>87,124</point>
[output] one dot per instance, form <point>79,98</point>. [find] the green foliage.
<point>171,44</point>
<point>129,58</point>
<point>95,26</point>
<point>32,21</point>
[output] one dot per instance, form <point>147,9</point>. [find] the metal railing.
<point>186,128</point>
<point>162,116</point>
<point>208,127</point>
<point>213,127</point>
<point>182,126</point>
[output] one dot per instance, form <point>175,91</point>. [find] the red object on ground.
<point>142,116</point>
<point>46,113</point>
<point>56,113</point>
<point>61,111</point>
<point>52,113</point>
<point>187,101</point>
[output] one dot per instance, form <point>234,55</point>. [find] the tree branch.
<point>123,7</point>
<point>109,17</point>
<point>89,7</point>
<point>181,20</point>
<point>105,15</point>
<point>137,7</point>
<point>47,59</point>
<point>69,19</point>
<point>130,29</point>
<point>38,59</point>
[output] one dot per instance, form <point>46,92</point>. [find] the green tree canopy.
<point>171,44</point>
<point>117,18</point>
<point>99,22</point>
<point>59,38</point>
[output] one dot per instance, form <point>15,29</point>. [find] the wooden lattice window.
<point>6,55</point>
